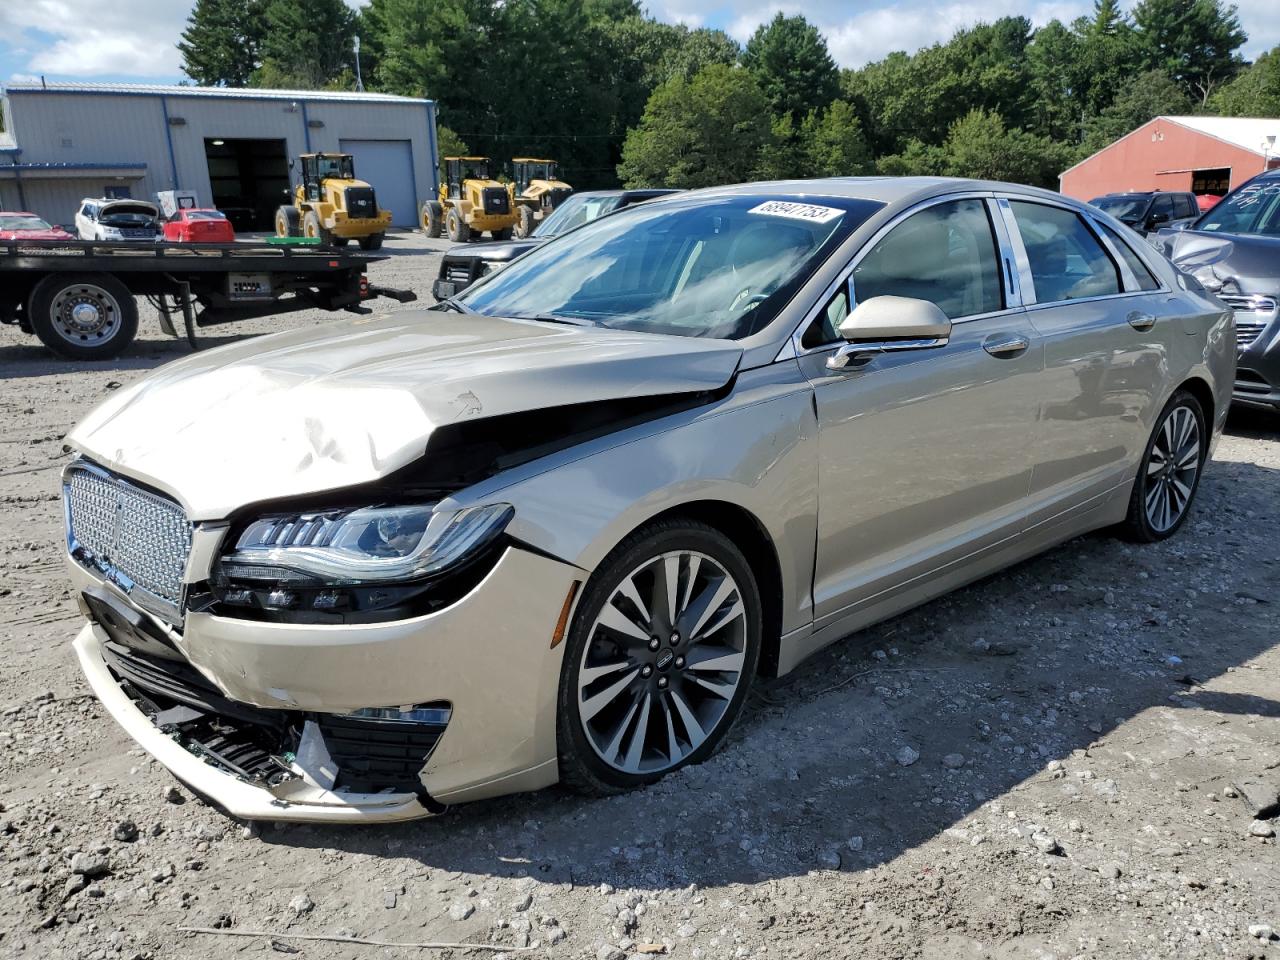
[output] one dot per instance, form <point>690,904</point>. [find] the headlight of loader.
<point>352,560</point>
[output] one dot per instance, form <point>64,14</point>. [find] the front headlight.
<point>489,268</point>
<point>385,544</point>
<point>112,233</point>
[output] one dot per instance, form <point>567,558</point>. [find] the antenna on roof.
<point>43,85</point>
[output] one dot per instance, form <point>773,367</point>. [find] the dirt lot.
<point>1062,761</point>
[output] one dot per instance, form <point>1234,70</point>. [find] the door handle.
<point>1141,321</point>
<point>1005,345</point>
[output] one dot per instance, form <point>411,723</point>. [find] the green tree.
<point>220,44</point>
<point>790,61</point>
<point>1255,92</point>
<point>699,132</point>
<point>305,43</point>
<point>1148,95</point>
<point>835,143</point>
<point>1056,80</point>
<point>979,145</point>
<point>1193,41</point>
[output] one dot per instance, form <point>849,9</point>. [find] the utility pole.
<point>359,81</point>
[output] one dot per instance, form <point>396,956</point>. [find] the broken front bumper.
<point>488,658</point>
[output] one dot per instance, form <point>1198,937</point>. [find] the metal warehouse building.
<point>66,141</point>
<point>1206,155</point>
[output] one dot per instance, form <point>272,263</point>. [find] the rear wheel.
<point>459,231</point>
<point>87,316</point>
<point>502,234</point>
<point>526,222</point>
<point>660,657</point>
<point>432,219</point>
<point>1169,473</point>
<point>371,242</point>
<point>313,229</point>
<point>288,222</point>
<point>341,241</point>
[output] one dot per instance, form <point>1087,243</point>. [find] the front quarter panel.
<point>756,450</point>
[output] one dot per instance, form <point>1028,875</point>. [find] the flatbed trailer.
<point>78,296</point>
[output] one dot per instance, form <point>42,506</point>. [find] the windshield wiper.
<point>453,303</point>
<point>553,318</point>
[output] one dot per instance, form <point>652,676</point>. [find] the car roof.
<point>891,191</point>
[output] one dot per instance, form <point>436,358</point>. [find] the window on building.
<point>118,192</point>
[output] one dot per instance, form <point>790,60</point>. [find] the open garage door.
<point>387,165</point>
<point>249,180</point>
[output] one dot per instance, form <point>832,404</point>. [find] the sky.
<point>133,40</point>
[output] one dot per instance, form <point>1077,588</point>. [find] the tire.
<point>1166,486</point>
<point>288,222</point>
<point>683,719</point>
<point>312,227</point>
<point>341,241</point>
<point>84,316</point>
<point>433,219</point>
<point>371,242</point>
<point>457,228</point>
<point>501,234</point>
<point>526,221</point>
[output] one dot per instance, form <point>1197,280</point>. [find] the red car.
<point>199,226</point>
<point>27,226</point>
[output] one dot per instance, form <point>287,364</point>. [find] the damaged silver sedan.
<point>553,529</point>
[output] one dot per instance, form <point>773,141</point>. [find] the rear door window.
<point>1067,261</point>
<point>1146,279</point>
<point>1183,207</point>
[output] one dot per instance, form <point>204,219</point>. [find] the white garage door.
<point>388,166</point>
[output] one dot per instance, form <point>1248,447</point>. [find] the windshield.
<point>719,266</point>
<point>1253,209</point>
<point>22,223</point>
<point>335,168</point>
<point>1122,208</point>
<point>575,211</point>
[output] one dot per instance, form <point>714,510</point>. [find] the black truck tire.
<point>372,242</point>
<point>459,230</point>
<point>433,219</point>
<point>526,221</point>
<point>84,316</point>
<point>312,227</point>
<point>288,222</point>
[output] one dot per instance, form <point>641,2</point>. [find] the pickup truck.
<point>78,297</point>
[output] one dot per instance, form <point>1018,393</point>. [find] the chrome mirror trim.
<point>851,356</point>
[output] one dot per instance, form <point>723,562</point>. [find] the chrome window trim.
<point>1129,281</point>
<point>793,349</point>
<point>1161,286</point>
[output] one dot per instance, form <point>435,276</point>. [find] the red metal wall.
<point>1159,155</point>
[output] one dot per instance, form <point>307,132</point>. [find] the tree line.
<point>618,96</point>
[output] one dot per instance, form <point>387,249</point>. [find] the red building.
<point>1206,155</point>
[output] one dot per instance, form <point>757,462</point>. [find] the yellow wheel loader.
<point>470,203</point>
<point>332,205</point>
<point>538,190</point>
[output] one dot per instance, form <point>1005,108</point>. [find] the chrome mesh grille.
<point>128,531</point>
<point>1252,316</point>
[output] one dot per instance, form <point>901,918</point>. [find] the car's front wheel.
<point>1169,473</point>
<point>659,659</point>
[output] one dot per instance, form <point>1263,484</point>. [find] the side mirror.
<point>887,325</point>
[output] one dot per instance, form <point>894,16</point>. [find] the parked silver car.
<point>552,529</point>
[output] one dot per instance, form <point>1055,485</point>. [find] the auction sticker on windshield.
<point>797,211</point>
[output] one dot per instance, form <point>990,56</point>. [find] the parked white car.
<point>117,220</point>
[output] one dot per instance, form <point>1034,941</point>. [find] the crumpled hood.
<point>1242,263</point>
<point>311,410</point>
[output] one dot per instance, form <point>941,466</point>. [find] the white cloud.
<point>92,38</point>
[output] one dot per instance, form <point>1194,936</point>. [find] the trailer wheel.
<point>459,230</point>
<point>372,242</point>
<point>526,222</point>
<point>433,219</point>
<point>84,316</point>
<point>288,222</point>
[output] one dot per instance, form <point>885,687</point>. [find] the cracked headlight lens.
<point>383,544</point>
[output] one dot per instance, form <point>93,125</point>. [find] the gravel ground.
<point>1061,761</point>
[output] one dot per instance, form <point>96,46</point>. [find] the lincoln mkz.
<point>552,530</point>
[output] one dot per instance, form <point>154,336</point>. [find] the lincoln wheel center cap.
<point>665,660</point>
